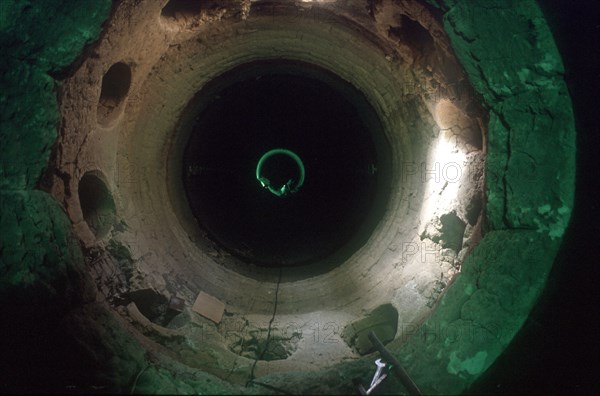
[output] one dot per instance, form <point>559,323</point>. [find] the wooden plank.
<point>209,307</point>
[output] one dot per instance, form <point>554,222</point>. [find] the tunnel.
<point>228,197</point>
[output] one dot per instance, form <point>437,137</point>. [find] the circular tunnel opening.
<point>311,141</point>
<point>115,86</point>
<point>97,205</point>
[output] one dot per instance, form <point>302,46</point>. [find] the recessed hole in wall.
<point>458,127</point>
<point>115,86</point>
<point>178,10</point>
<point>97,204</point>
<point>383,321</point>
<point>414,34</point>
<point>258,343</point>
<point>152,305</point>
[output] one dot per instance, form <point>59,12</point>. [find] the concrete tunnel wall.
<point>120,139</point>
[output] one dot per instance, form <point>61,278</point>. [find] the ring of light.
<point>291,186</point>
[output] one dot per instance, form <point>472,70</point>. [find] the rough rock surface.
<point>34,48</point>
<point>531,117</point>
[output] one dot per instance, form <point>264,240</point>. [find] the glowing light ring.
<point>291,186</point>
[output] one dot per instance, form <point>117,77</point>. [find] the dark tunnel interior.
<point>323,126</point>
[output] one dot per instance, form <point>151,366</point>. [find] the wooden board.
<point>209,307</point>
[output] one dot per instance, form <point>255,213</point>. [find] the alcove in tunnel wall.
<point>97,205</point>
<point>456,368</point>
<point>115,86</point>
